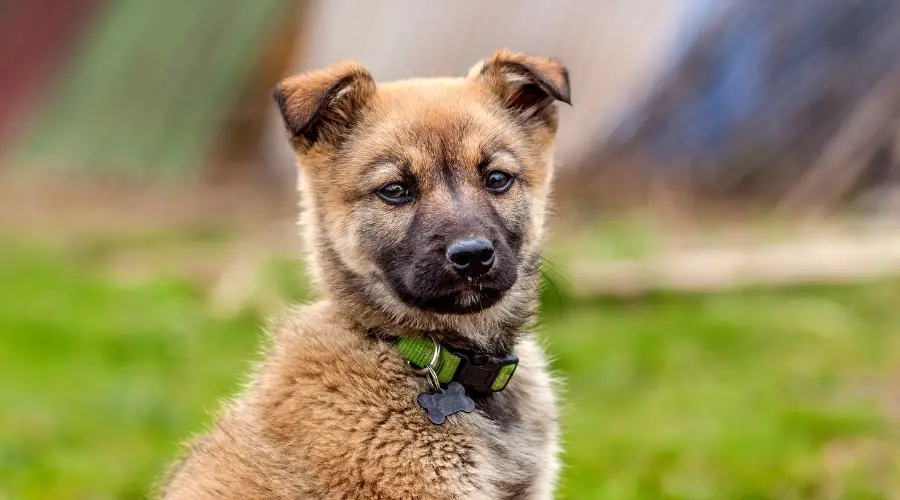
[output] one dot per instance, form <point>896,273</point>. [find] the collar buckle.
<point>482,373</point>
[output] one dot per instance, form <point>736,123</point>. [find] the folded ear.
<point>319,107</point>
<point>527,85</point>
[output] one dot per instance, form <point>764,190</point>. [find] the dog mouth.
<point>465,299</point>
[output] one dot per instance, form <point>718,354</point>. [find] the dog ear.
<point>319,107</point>
<point>527,85</point>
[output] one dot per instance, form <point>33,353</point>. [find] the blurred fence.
<point>796,103</point>
<point>792,103</point>
<point>136,87</point>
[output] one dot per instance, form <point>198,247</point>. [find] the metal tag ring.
<point>428,370</point>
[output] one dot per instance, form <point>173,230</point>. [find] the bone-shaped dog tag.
<point>445,402</point>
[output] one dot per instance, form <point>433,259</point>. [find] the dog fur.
<point>331,411</point>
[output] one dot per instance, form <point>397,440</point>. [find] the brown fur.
<point>331,411</point>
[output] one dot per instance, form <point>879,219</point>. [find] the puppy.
<point>416,374</point>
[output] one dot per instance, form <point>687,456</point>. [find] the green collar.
<point>478,373</point>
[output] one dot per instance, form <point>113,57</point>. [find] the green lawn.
<point>756,395</point>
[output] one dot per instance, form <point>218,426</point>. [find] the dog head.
<point>423,201</point>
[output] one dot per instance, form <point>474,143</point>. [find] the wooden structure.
<point>148,89</point>
<point>791,102</point>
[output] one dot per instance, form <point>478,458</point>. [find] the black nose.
<point>471,257</point>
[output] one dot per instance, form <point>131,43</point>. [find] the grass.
<point>752,395</point>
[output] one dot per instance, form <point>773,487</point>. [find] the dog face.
<point>424,200</point>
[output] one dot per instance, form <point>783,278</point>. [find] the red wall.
<point>36,37</point>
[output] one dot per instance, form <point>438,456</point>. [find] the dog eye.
<point>395,193</point>
<point>498,182</point>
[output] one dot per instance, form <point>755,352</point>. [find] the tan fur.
<point>331,411</point>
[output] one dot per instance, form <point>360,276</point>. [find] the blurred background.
<point>723,278</point>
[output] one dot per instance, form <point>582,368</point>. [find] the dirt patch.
<point>220,238</point>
